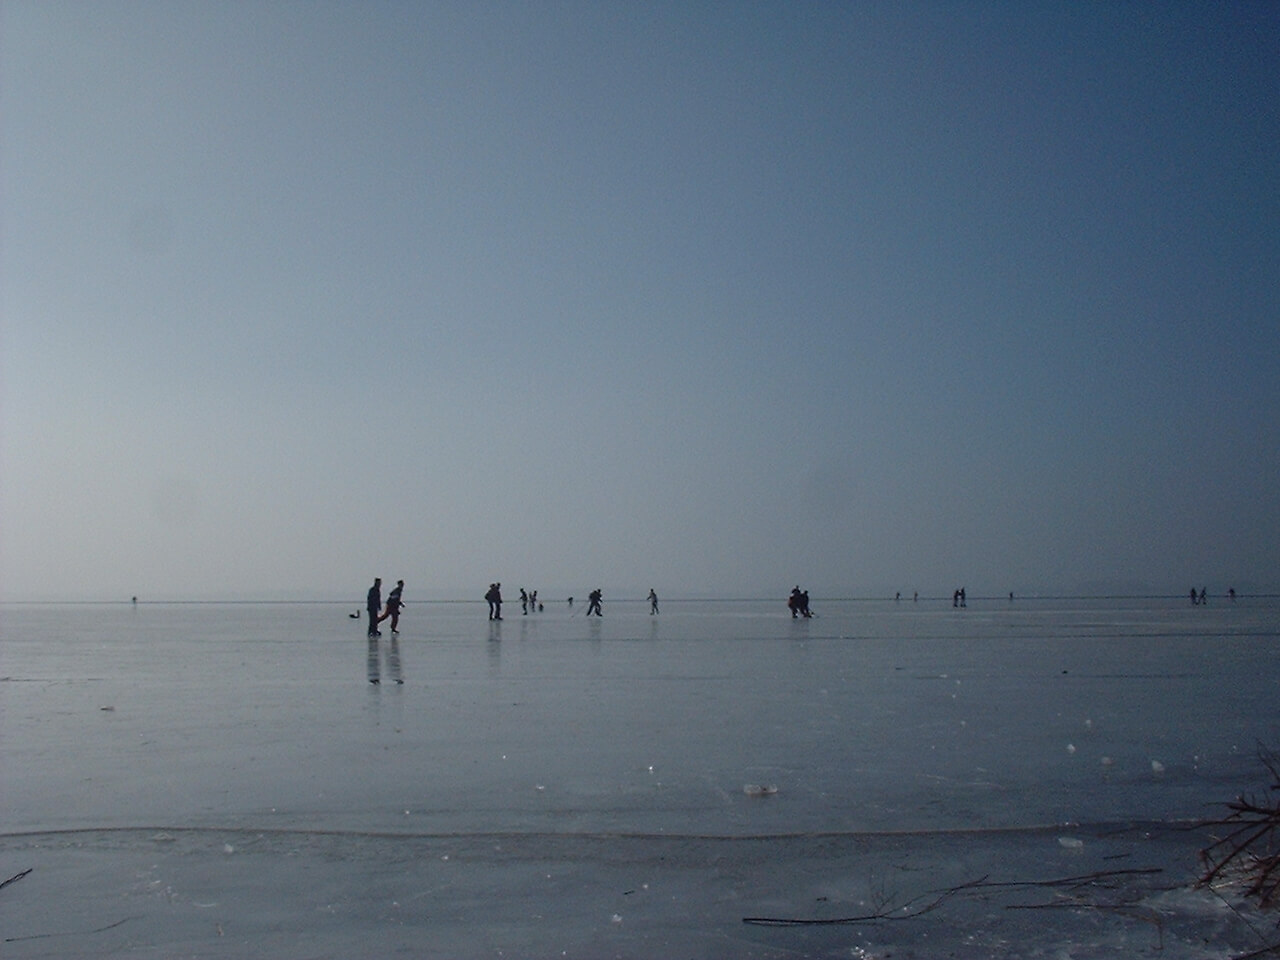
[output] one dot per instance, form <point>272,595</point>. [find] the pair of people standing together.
<point>373,603</point>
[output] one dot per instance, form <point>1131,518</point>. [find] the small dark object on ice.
<point>16,877</point>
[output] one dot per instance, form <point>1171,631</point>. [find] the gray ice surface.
<point>224,780</point>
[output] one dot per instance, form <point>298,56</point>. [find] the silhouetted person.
<point>793,602</point>
<point>1204,595</point>
<point>804,605</point>
<point>494,596</point>
<point>1195,600</point>
<point>373,604</point>
<point>1231,594</point>
<point>571,603</point>
<point>524,602</point>
<point>393,606</point>
<point>963,602</point>
<point>653,602</point>
<point>897,596</point>
<point>593,603</point>
<point>955,598</point>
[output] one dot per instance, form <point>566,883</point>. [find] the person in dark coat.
<point>494,596</point>
<point>373,603</point>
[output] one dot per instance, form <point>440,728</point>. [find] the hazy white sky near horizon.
<point>715,298</point>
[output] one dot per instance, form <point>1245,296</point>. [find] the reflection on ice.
<point>391,647</point>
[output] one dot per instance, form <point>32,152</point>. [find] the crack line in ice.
<point>512,835</point>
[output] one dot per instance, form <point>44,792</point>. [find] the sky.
<point>714,298</point>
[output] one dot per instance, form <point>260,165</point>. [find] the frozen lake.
<point>223,779</point>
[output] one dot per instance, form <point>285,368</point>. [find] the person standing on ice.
<point>394,604</point>
<point>593,602</point>
<point>653,602</point>
<point>494,596</point>
<point>373,603</point>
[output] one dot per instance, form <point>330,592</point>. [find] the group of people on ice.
<point>798,603</point>
<point>378,613</point>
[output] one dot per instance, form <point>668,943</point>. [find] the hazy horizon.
<point>869,297</point>
<point>556,599</point>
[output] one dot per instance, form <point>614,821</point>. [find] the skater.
<point>524,602</point>
<point>793,601</point>
<point>393,606</point>
<point>494,596</point>
<point>653,602</point>
<point>373,604</point>
<point>593,602</point>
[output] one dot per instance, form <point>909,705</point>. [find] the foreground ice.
<point>1007,780</point>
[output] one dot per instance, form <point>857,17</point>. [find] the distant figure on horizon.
<point>897,596</point>
<point>1011,596</point>
<point>533,601</point>
<point>571,603</point>
<point>593,602</point>
<point>494,596</point>
<point>1204,595</point>
<point>1195,600</point>
<point>373,604</point>
<point>955,597</point>
<point>135,601</point>
<point>394,604</point>
<point>524,602</point>
<point>1231,594</point>
<point>798,603</point>
<point>653,602</point>
<point>915,597</point>
<point>963,601</point>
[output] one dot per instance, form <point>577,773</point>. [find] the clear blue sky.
<point>710,297</point>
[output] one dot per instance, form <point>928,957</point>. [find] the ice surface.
<point>201,779</point>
